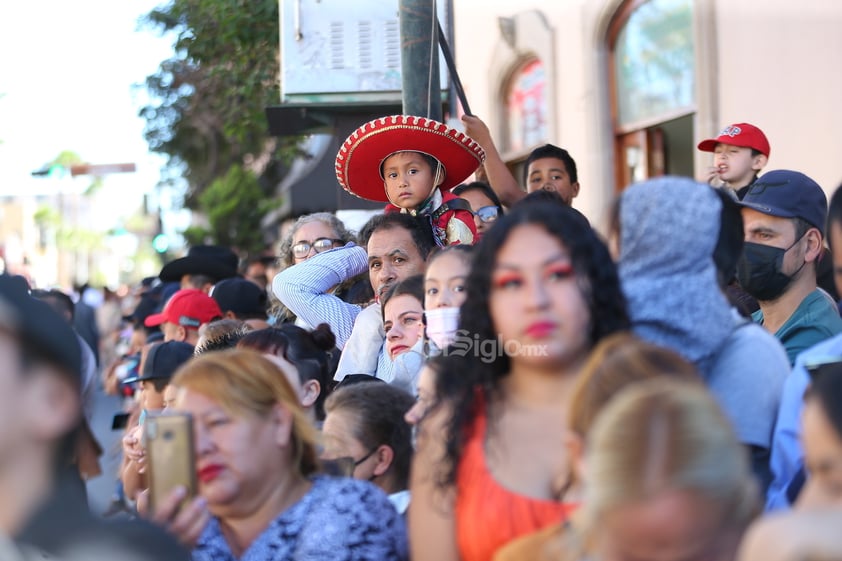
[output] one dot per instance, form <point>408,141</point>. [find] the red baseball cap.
<point>188,308</point>
<point>744,135</point>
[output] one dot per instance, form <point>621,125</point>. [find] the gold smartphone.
<point>170,457</point>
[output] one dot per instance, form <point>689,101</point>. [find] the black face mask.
<point>759,271</point>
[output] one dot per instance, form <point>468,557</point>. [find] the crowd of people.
<point>477,374</point>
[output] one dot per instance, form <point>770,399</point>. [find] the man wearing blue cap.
<point>784,215</point>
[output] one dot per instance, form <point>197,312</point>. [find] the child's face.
<point>169,395</point>
<point>735,165</point>
<point>409,179</point>
<point>150,398</point>
<point>444,281</point>
<point>550,174</point>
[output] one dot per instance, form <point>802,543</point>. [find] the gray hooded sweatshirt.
<point>669,227</point>
<point>668,230</point>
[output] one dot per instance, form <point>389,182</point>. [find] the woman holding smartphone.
<point>260,493</point>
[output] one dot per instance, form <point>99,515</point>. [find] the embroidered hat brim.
<point>361,155</point>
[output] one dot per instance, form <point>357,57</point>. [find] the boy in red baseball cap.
<point>739,153</point>
<point>183,314</point>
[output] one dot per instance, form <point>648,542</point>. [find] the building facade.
<point>629,87</point>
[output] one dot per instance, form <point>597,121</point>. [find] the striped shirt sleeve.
<point>304,289</point>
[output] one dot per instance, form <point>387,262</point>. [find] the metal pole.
<point>420,59</point>
<point>452,106</point>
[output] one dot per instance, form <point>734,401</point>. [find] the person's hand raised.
<point>133,447</point>
<point>478,130</point>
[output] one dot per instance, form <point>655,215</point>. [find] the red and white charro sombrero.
<point>359,160</point>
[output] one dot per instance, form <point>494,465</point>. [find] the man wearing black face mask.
<point>784,215</point>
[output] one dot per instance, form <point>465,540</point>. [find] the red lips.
<point>540,329</point>
<point>398,349</point>
<point>209,473</point>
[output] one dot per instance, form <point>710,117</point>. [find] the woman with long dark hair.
<point>491,463</point>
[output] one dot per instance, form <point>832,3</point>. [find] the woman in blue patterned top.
<point>260,496</point>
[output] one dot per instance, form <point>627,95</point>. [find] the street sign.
<point>101,169</point>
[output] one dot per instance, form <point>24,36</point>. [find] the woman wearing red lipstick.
<point>257,466</point>
<point>403,323</point>
<point>491,464</point>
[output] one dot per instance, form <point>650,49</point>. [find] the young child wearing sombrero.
<point>412,163</point>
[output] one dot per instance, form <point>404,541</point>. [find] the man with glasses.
<point>396,247</point>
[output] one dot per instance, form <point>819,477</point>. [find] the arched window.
<point>526,107</point>
<point>653,84</point>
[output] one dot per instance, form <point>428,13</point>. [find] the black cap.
<point>162,360</point>
<point>36,323</point>
<point>215,261</point>
<point>240,296</point>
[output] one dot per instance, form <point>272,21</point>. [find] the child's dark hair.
<point>552,151</point>
<point>464,251</point>
<point>483,187</point>
<point>309,351</point>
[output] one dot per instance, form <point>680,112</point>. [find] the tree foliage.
<point>234,205</point>
<point>207,115</point>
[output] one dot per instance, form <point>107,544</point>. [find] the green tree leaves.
<point>208,112</point>
<point>234,205</point>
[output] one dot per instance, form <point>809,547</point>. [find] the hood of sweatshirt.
<point>668,230</point>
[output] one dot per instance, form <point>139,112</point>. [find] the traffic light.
<point>161,243</point>
<point>50,170</point>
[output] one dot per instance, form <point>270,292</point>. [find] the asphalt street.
<point>101,489</point>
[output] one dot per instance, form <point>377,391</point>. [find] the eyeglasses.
<point>302,249</point>
<point>488,213</point>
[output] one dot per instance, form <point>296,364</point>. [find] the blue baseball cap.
<point>788,194</point>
